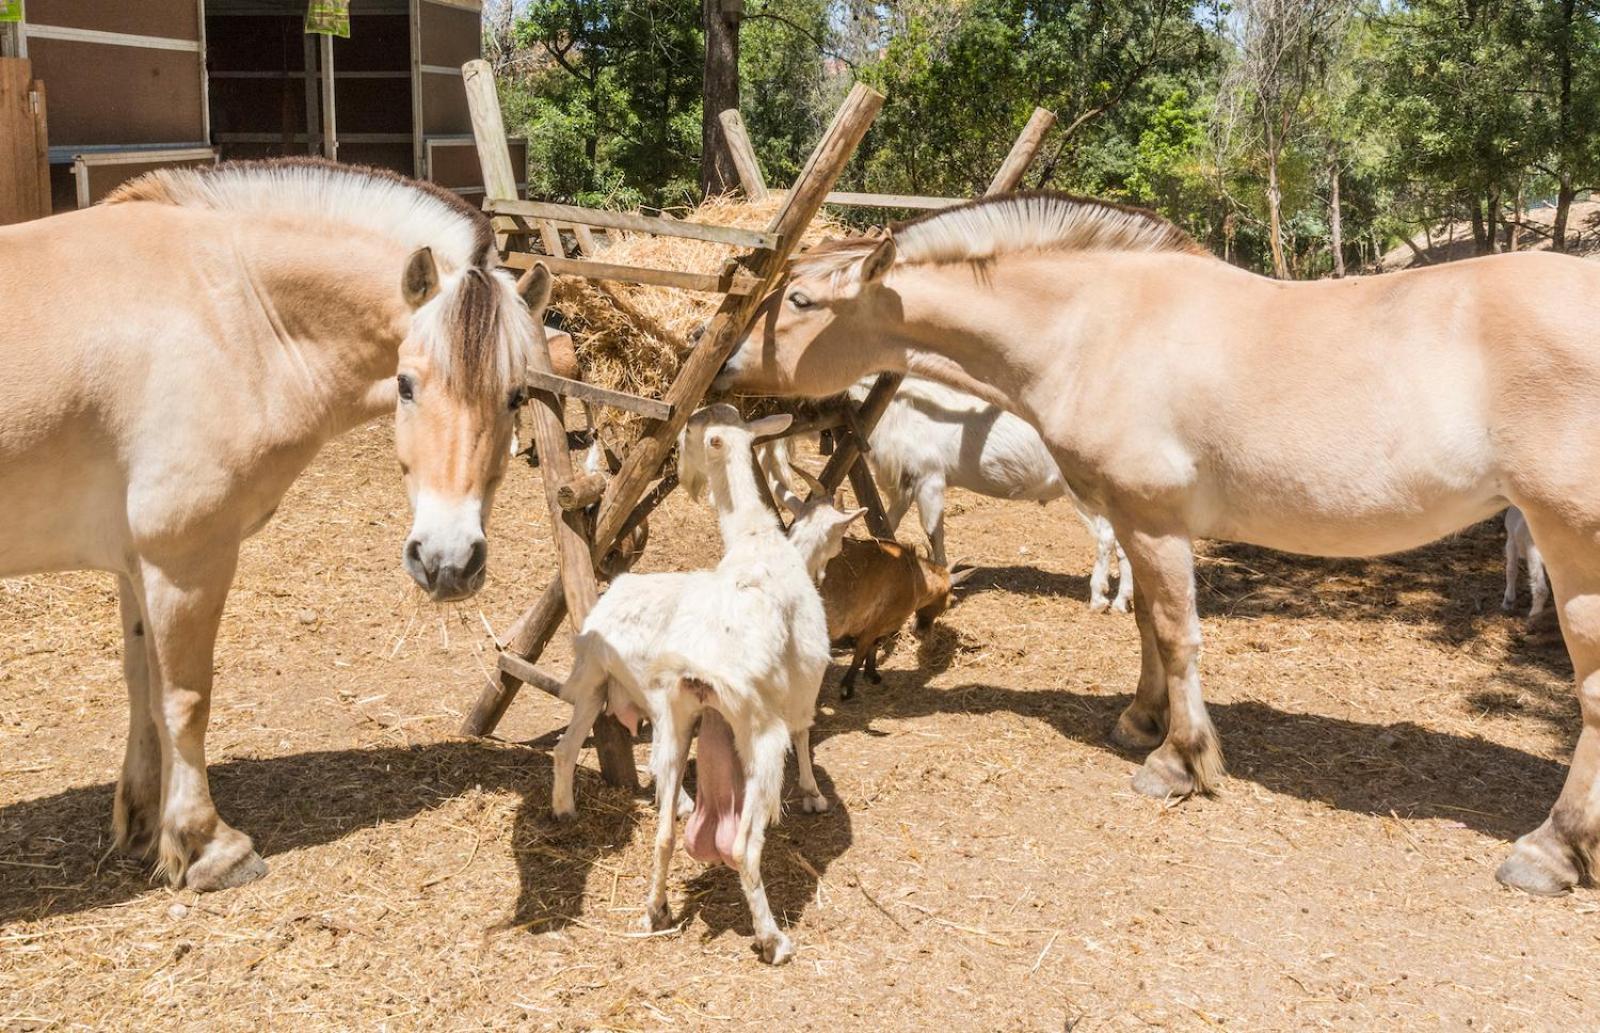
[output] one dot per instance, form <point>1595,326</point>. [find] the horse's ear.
<point>420,282</point>
<point>535,288</point>
<point>878,262</point>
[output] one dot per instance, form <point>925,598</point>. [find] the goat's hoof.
<point>817,804</point>
<point>775,949</point>
<point>1508,604</point>
<point>1121,606</point>
<point>875,678</point>
<point>1536,869</point>
<point>656,918</point>
<point>1100,605</point>
<point>846,691</point>
<point>685,804</point>
<point>564,815</point>
<point>1163,776</point>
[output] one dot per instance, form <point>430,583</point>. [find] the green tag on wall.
<point>10,10</point>
<point>328,17</point>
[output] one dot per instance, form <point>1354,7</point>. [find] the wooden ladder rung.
<point>651,407</point>
<point>582,492</point>
<point>523,671</point>
<point>726,282</point>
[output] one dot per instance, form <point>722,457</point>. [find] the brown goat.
<point>869,590</point>
<point>563,353</point>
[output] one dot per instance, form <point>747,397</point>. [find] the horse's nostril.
<point>476,560</point>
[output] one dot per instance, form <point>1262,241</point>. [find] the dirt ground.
<point>986,866</point>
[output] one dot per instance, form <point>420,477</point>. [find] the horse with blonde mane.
<point>1186,398</point>
<point>176,356</point>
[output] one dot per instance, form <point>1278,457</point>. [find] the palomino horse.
<point>1187,398</point>
<point>176,356</point>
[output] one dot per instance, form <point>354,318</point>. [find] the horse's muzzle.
<point>448,573</point>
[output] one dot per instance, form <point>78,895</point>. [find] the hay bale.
<point>623,332</point>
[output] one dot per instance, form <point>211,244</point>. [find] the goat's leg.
<point>930,510</point>
<point>872,665</point>
<point>1143,723</point>
<point>1099,529</point>
<point>762,796</point>
<point>847,684</point>
<point>668,757</point>
<point>136,812</point>
<point>1124,577</point>
<point>1513,552</point>
<point>1552,858</point>
<point>183,598</point>
<point>1189,760</point>
<point>585,690</point>
<point>811,799</point>
<point>1538,582</point>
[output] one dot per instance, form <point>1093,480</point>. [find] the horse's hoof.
<point>1537,870</point>
<point>1135,731</point>
<point>1163,778</point>
<point>817,804</point>
<point>208,874</point>
<point>775,949</point>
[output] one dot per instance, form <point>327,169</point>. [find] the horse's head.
<point>816,334</point>
<point>461,380</point>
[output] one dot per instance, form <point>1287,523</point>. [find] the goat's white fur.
<point>753,629</point>
<point>933,437</point>
<point>1520,548</point>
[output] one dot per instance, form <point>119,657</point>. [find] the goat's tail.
<point>671,670</point>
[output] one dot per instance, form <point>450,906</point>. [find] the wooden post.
<point>744,155</point>
<point>489,130</point>
<point>528,637</point>
<point>10,39</point>
<point>847,459</point>
<point>330,133</point>
<point>823,169</point>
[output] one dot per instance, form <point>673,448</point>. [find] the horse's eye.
<point>517,398</point>
<point>800,300</point>
<point>408,387</point>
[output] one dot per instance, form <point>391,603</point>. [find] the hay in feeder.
<point>623,333</point>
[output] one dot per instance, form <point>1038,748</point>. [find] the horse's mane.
<point>1008,224</point>
<point>414,212</point>
<point>477,331</point>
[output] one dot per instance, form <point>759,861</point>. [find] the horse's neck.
<point>331,330</point>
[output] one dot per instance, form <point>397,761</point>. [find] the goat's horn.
<point>811,482</point>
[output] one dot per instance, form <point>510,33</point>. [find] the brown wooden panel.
<point>105,178</point>
<point>444,106</point>
<point>174,19</point>
<point>119,95</point>
<point>255,43</point>
<point>377,43</point>
<point>372,105</point>
<point>22,195</point>
<point>258,105</point>
<point>396,156</point>
<point>450,36</point>
<point>455,165</point>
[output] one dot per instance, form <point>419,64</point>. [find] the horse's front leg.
<point>1143,723</point>
<point>1189,760</point>
<point>183,603</point>
<point>136,814</point>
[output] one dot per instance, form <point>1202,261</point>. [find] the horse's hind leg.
<point>1189,760</point>
<point>136,814</point>
<point>183,608</point>
<point>1552,858</point>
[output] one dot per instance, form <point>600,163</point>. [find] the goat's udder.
<point>719,788</point>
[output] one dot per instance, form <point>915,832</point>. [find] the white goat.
<point>1520,548</point>
<point>932,437</point>
<point>743,647</point>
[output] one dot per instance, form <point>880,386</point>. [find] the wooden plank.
<point>730,235</point>
<point>528,674</point>
<point>744,155</point>
<point>528,638</point>
<point>728,327</point>
<point>649,407</point>
<point>711,283</point>
<point>41,133</point>
<point>550,237</point>
<point>586,241</point>
<point>1022,153</point>
<point>867,495</point>
<point>842,197</point>
<point>582,492</point>
<point>489,130</point>
<point>330,131</point>
<point>20,153</point>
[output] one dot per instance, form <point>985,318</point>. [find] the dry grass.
<point>985,866</point>
<point>624,333</point>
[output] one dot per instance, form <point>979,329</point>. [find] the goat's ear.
<point>420,281</point>
<point>850,516</point>
<point>768,425</point>
<point>878,262</point>
<point>535,288</point>
<point>959,573</point>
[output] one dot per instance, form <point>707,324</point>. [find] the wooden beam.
<point>582,492</point>
<point>586,241</point>
<point>528,638</point>
<point>731,235</point>
<point>1022,153</point>
<point>727,282</point>
<point>843,197</point>
<point>732,320</point>
<point>489,130</point>
<point>550,237</point>
<point>528,674</point>
<point>744,155</point>
<point>648,407</point>
<point>867,494</point>
<point>330,131</point>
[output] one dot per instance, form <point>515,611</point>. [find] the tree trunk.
<point>1274,215</point>
<point>1514,227</point>
<point>1564,128</point>
<point>1564,197</point>
<point>1482,242</point>
<point>720,19</point>
<point>1335,220</point>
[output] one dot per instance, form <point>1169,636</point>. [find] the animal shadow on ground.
<point>59,843</point>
